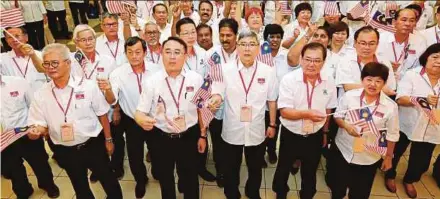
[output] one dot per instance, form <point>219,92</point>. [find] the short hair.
<point>338,27</point>
<point>61,49</point>
<point>273,29</point>
<point>396,16</point>
<point>208,2</point>
<point>253,10</point>
<point>228,23</point>
<point>23,30</point>
<point>106,15</point>
<point>366,29</point>
<point>248,33</point>
<point>176,39</point>
<point>375,69</point>
<point>314,46</point>
<point>182,22</point>
<point>438,10</point>
<point>434,48</point>
<point>415,7</point>
<point>302,6</point>
<point>131,41</point>
<point>202,25</point>
<point>159,4</point>
<point>150,23</point>
<point>81,28</point>
<point>325,29</point>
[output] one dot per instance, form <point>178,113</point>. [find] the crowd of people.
<point>296,80</point>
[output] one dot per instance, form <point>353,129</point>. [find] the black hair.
<point>177,39</point>
<point>272,29</point>
<point>338,27</point>
<point>131,41</point>
<point>23,30</point>
<point>159,4</point>
<point>415,7</point>
<point>228,23</point>
<point>434,48</point>
<point>396,16</point>
<point>366,29</point>
<point>375,69</point>
<point>208,2</point>
<point>438,10</point>
<point>182,22</point>
<point>314,46</point>
<point>202,25</point>
<point>302,6</point>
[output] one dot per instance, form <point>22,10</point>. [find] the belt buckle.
<point>175,135</point>
<point>80,146</point>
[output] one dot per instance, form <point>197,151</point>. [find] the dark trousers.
<point>253,156</point>
<point>34,153</point>
<point>55,17</point>
<point>297,147</point>
<point>271,143</point>
<point>357,178</point>
<point>80,8</point>
<point>419,159</point>
<point>215,130</point>
<point>136,140</point>
<point>91,154</point>
<point>117,158</point>
<point>35,31</point>
<point>181,153</point>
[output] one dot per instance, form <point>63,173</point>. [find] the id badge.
<point>382,142</point>
<point>307,126</point>
<point>180,122</point>
<point>358,145</point>
<point>246,113</point>
<point>67,132</point>
<point>436,114</point>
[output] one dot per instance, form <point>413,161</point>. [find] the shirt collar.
<point>382,97</point>
<point>13,55</point>
<point>301,76</point>
<point>73,82</point>
<point>106,39</point>
<point>182,73</point>
<point>240,65</point>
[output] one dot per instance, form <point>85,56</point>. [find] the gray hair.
<point>81,28</point>
<point>152,24</point>
<point>58,48</point>
<point>109,15</point>
<point>248,33</point>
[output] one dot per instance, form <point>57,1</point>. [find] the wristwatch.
<point>274,126</point>
<point>109,140</point>
<point>204,137</point>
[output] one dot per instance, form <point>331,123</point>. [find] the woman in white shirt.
<point>339,33</point>
<point>416,128</point>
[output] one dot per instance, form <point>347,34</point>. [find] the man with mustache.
<point>160,15</point>
<point>110,43</point>
<point>205,12</point>
<point>204,36</point>
<point>151,36</point>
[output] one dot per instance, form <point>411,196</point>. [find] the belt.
<point>174,135</point>
<point>82,145</point>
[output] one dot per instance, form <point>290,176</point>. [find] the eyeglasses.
<point>248,45</point>
<point>365,44</point>
<point>313,61</point>
<point>175,53</point>
<point>85,40</point>
<point>53,64</point>
<point>188,33</point>
<point>108,25</point>
<point>151,33</point>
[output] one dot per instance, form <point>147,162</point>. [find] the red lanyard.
<point>91,73</point>
<point>359,62</point>
<point>61,107</point>
<point>436,34</point>
<point>149,8</point>
<point>246,90</point>
<point>377,102</point>
<point>152,55</point>
<point>310,95</point>
<point>224,57</point>
<point>139,78</point>
<point>176,102</point>
<point>18,66</point>
<point>401,54</point>
<point>116,50</point>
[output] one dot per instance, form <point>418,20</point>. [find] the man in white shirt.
<point>78,7</point>
<point>432,34</point>
<point>110,43</point>
<point>73,113</point>
<point>205,12</point>
<point>56,13</point>
<point>247,87</point>
<point>160,15</point>
<point>306,96</point>
<point>152,36</point>
<point>16,97</point>
<point>204,37</point>
<point>368,129</point>
<point>126,83</point>
<point>145,9</point>
<point>167,113</point>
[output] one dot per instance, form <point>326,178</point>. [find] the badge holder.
<point>358,144</point>
<point>67,132</point>
<point>382,142</point>
<point>246,113</point>
<point>180,122</point>
<point>436,114</point>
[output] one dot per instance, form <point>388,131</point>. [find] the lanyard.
<point>402,54</point>
<point>310,96</point>
<point>139,78</point>
<point>436,34</point>
<point>91,73</point>
<point>18,66</point>
<point>359,62</point>
<point>377,102</point>
<point>197,62</point>
<point>422,72</point>
<point>116,50</point>
<point>152,55</point>
<point>224,57</point>
<point>176,102</point>
<point>61,107</point>
<point>246,90</point>
<point>149,8</point>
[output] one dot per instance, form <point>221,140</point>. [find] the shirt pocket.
<point>83,109</point>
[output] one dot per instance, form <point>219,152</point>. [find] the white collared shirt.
<point>333,59</point>
<point>194,16</point>
<point>55,5</point>
<point>217,12</point>
<point>430,35</point>
<point>426,18</point>
<point>145,9</point>
<point>148,102</point>
<point>196,63</point>
<point>387,118</point>
<point>263,89</point>
<point>113,49</point>
<point>293,94</point>
<point>87,103</point>
<point>413,122</point>
<point>165,33</point>
<point>417,45</point>
<point>153,57</point>
<point>32,10</point>
<point>289,30</point>
<point>280,60</point>
<point>126,88</point>
<point>15,101</point>
<point>101,68</point>
<point>23,67</point>
<point>348,72</point>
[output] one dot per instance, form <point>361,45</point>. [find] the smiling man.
<point>204,36</point>
<point>109,43</point>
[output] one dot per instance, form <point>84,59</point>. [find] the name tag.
<point>379,114</point>
<point>14,93</point>
<point>189,89</point>
<point>436,114</point>
<point>246,113</point>
<point>100,69</point>
<point>411,51</point>
<point>67,132</point>
<point>261,80</point>
<point>180,122</point>
<point>79,96</point>
<point>358,145</point>
<point>307,126</point>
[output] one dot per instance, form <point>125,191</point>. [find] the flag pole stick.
<point>343,111</point>
<point>4,30</point>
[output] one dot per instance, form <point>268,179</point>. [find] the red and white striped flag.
<point>422,103</point>
<point>390,9</point>
<point>331,8</point>
<point>161,106</point>
<point>11,18</point>
<point>285,8</point>
<point>117,6</point>
<point>215,70</point>
<point>377,20</point>
<point>199,99</point>
<point>358,10</point>
<point>11,136</point>
<point>265,55</point>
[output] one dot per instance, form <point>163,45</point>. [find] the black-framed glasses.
<point>108,25</point>
<point>53,64</point>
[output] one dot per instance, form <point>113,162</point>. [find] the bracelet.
<point>203,137</point>
<point>272,126</point>
<point>109,140</point>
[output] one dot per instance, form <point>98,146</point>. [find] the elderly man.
<point>110,43</point>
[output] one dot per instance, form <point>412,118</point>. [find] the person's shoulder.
<point>354,93</point>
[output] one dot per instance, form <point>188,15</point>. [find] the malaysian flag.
<point>11,18</point>
<point>199,99</point>
<point>380,21</point>
<point>117,6</point>
<point>215,70</point>
<point>11,136</point>
<point>285,8</point>
<point>331,8</point>
<point>422,103</point>
<point>80,58</point>
<point>265,55</point>
<point>358,10</point>
<point>161,108</point>
<point>390,9</point>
